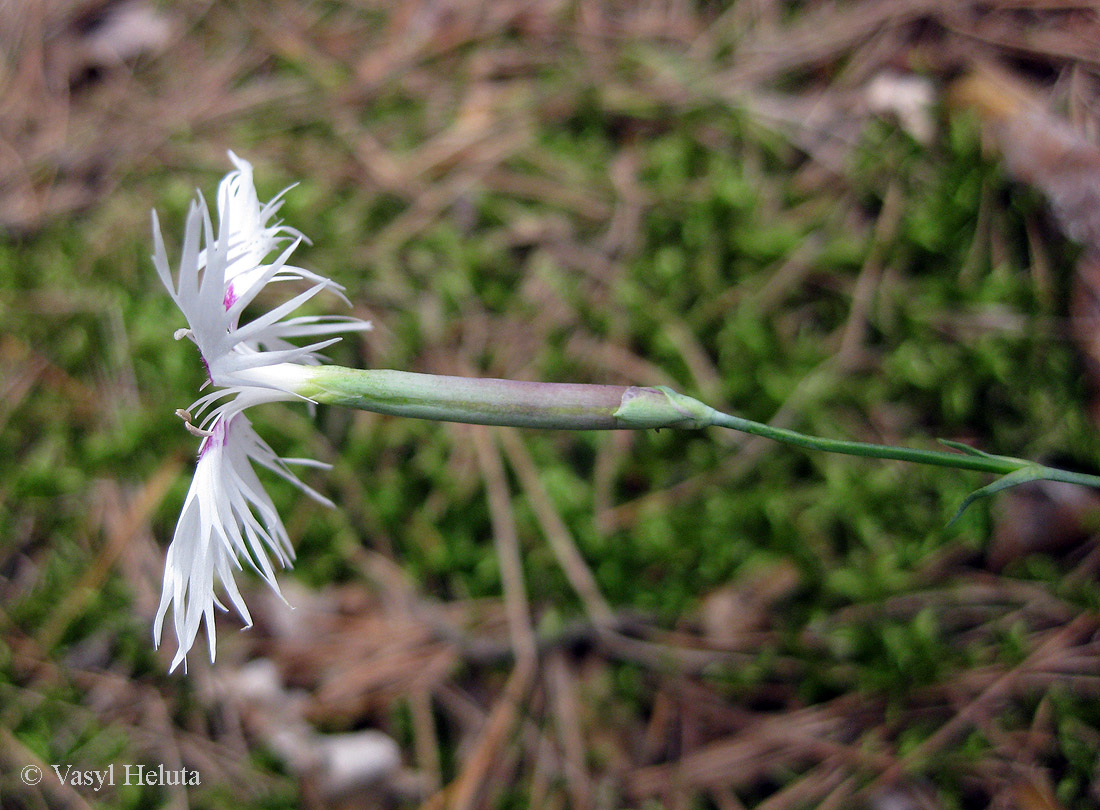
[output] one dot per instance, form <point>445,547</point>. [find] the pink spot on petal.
<point>217,438</point>
<point>230,297</point>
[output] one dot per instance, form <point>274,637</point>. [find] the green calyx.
<point>660,407</point>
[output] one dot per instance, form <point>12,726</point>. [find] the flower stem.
<point>569,406</point>
<point>938,458</point>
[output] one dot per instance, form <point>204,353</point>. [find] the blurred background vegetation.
<point>767,205</point>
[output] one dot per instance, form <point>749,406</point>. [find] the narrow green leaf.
<point>965,448</point>
<point>1021,476</point>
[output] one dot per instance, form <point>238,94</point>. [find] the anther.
<point>191,428</point>
<point>194,430</point>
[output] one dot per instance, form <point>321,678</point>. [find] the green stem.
<point>984,463</point>
<point>568,406</point>
<point>972,460</point>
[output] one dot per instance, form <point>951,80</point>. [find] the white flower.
<point>227,516</point>
<point>252,239</point>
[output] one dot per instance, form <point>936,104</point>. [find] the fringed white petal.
<point>227,517</point>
